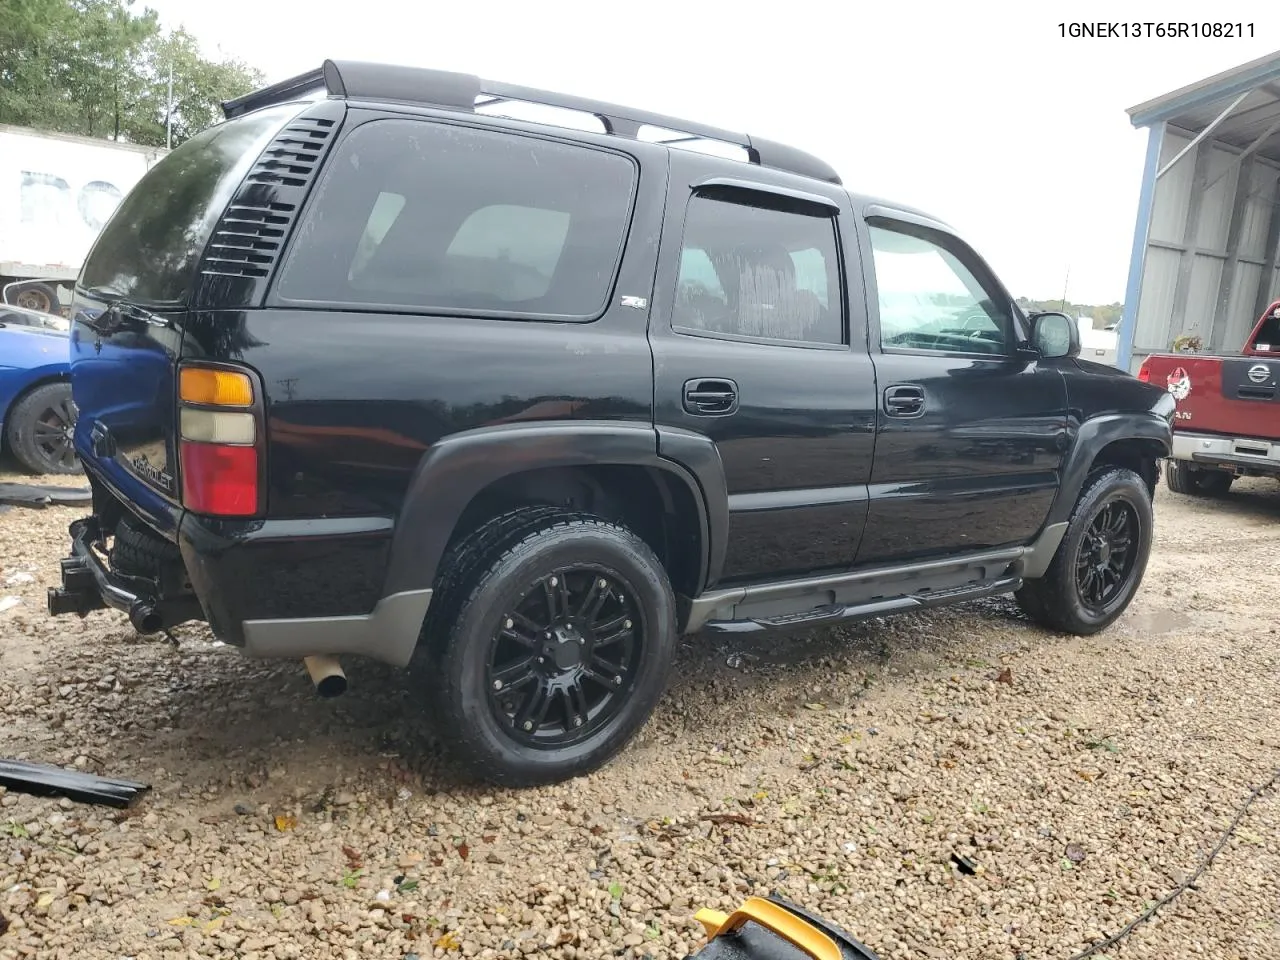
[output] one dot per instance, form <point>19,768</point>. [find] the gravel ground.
<point>841,770</point>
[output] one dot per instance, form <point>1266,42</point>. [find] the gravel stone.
<point>842,770</point>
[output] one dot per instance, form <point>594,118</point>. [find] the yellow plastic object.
<point>781,921</point>
<point>223,388</point>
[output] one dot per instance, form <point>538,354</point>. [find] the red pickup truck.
<point>1227,422</point>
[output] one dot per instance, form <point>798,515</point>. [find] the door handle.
<point>904,401</point>
<point>705,397</point>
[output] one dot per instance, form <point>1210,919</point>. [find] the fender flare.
<point>1092,436</point>
<point>455,469</point>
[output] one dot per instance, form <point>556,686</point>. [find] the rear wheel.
<point>550,647</point>
<point>1183,478</point>
<point>1101,560</point>
<point>40,430</point>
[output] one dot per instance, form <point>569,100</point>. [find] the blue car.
<point>37,415</point>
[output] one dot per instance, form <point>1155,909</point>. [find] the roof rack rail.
<point>460,91</point>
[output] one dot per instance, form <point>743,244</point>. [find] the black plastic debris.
<point>37,497</point>
<point>964,864</point>
<point>42,780</point>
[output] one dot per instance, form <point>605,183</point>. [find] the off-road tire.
<point>25,417</point>
<point>1054,600</point>
<point>484,576</point>
<point>1182,478</point>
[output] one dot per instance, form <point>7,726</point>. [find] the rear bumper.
<point>89,583</point>
<point>1235,453</point>
<point>273,588</point>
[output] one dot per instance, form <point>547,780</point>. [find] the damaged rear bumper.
<point>89,583</point>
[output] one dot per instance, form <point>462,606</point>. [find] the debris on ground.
<point>44,780</point>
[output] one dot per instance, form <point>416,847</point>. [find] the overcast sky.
<point>991,121</point>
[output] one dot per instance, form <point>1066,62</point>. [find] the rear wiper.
<point>122,316</point>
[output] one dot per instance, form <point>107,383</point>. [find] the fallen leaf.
<point>815,706</point>
<point>180,922</point>
<point>760,795</point>
<point>352,854</point>
<point>597,830</point>
<point>463,850</point>
<point>213,925</point>
<point>1005,676</point>
<point>1087,775</point>
<point>285,822</point>
<point>449,941</point>
<point>213,884</point>
<point>45,899</point>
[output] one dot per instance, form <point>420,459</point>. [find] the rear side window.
<point>149,248</point>
<point>439,217</point>
<point>759,267</point>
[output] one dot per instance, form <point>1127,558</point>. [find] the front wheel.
<point>553,651</point>
<point>1101,560</point>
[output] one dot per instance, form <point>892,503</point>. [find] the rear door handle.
<point>905,400</point>
<point>710,397</point>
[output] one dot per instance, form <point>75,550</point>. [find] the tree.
<point>98,68</point>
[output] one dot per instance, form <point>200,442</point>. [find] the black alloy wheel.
<point>1106,556</point>
<point>565,659</point>
<point>41,429</point>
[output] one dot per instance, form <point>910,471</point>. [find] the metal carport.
<point>1208,225</point>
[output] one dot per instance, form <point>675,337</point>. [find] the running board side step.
<point>833,614</point>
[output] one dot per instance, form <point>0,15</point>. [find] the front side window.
<point>753,266</point>
<point>436,216</point>
<point>929,299</point>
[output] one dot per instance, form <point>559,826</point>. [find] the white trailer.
<point>56,193</point>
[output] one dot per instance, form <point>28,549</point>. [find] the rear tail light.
<point>1144,371</point>
<point>220,441</point>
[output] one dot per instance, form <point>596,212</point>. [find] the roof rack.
<point>460,91</point>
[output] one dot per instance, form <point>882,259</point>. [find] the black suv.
<point>391,355</point>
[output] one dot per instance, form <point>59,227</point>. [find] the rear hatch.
<point>133,299</point>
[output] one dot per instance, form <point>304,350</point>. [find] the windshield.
<point>148,251</point>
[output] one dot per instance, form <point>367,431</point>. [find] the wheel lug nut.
<point>542,660</point>
<point>626,624</point>
<point>554,581</point>
<point>577,721</point>
<point>510,623</point>
<point>528,725</point>
<point>603,584</point>
<point>497,684</point>
<point>617,681</point>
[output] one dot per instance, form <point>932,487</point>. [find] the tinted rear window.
<point>148,250</point>
<point>436,216</point>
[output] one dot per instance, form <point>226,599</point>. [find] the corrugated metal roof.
<point>1255,121</point>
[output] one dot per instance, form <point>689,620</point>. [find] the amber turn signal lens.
<point>223,388</point>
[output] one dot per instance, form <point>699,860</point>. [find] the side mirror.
<point>1055,335</point>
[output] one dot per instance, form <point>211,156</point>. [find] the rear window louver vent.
<point>253,229</point>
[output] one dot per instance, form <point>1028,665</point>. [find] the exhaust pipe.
<point>145,618</point>
<point>326,673</point>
